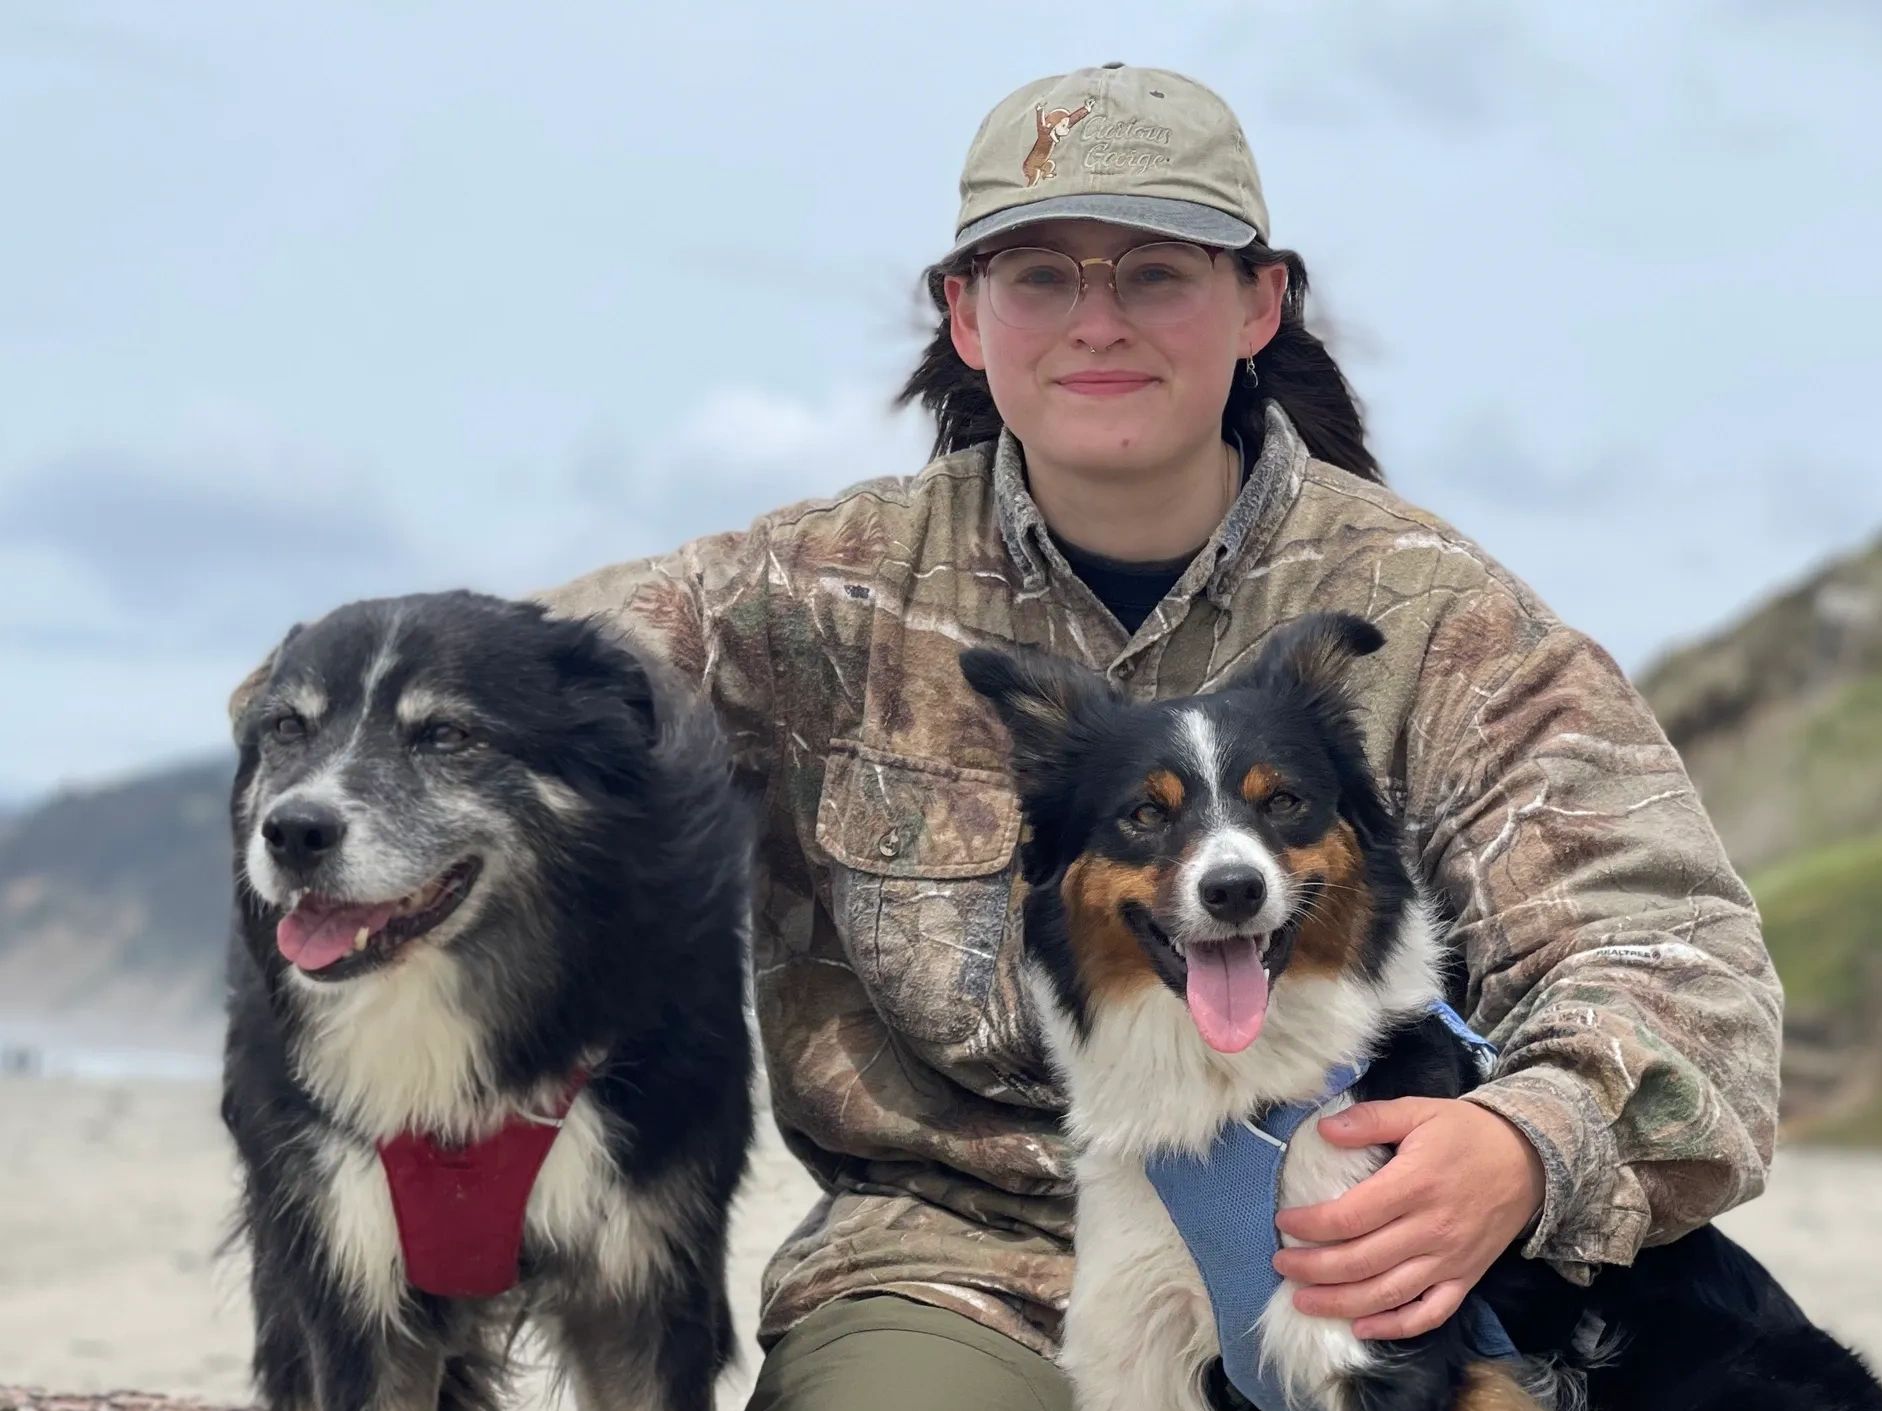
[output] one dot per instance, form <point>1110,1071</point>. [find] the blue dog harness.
<point>1224,1204</point>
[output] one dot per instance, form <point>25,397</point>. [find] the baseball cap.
<point>1145,148</point>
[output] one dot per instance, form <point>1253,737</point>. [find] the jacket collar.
<point>1272,484</point>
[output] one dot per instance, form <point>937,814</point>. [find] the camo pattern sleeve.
<point>702,612</point>
<point>1613,953</point>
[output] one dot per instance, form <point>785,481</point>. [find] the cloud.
<point>136,590</point>
<point>174,553</point>
<point>1862,16</point>
<point>1638,538</point>
<point>1481,457</point>
<point>735,454</point>
<point>99,53</point>
<point>768,443</point>
<point>226,548</point>
<point>1455,71</point>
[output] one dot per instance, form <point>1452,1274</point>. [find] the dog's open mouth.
<point>329,940</point>
<point>1224,981</point>
<point>1227,989</point>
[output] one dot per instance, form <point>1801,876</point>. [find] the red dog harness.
<point>460,1209</point>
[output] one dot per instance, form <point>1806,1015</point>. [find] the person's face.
<point>1110,385</point>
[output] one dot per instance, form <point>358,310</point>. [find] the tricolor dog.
<point>1224,942</point>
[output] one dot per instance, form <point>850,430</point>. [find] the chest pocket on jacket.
<point>921,882</point>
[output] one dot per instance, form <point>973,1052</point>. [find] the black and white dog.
<point>1219,916</point>
<point>487,1056</point>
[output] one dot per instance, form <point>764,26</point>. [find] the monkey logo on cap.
<point>1050,127</point>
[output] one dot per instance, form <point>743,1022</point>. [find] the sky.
<point>306,304</point>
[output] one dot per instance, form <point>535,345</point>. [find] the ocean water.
<point>90,1051</point>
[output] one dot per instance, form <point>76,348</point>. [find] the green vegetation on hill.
<point>1827,627</point>
<point>1779,720</point>
<point>1779,717</point>
<point>1822,915</point>
<point>1823,923</point>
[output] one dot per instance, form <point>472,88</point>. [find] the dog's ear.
<point>1308,660</point>
<point>1312,653</point>
<point>603,669</point>
<point>243,696</point>
<point>1044,703</point>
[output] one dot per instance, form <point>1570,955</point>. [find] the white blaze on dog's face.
<point>1211,846</point>
<point>394,766</point>
<point>1231,898</point>
<point>1214,860</point>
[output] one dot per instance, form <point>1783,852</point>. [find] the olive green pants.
<point>891,1354</point>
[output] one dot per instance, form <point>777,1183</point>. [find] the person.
<point>1145,462</point>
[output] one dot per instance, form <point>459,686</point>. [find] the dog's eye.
<point>442,737</point>
<point>1280,801</point>
<point>289,727</point>
<point>1148,815</point>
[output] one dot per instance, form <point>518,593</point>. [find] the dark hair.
<point>1296,370</point>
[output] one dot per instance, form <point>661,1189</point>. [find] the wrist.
<point>1531,1180</point>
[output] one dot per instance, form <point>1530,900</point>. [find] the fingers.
<point>1395,1189</point>
<point>1379,1123</point>
<point>1389,1291</point>
<point>1421,1315</point>
<point>1356,1260</point>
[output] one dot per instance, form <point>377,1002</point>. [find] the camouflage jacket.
<point>1610,948</point>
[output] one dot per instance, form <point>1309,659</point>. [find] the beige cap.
<point>1139,147</point>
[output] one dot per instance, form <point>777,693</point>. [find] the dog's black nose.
<point>300,835</point>
<point>1233,894</point>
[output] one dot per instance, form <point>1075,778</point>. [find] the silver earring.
<point>1254,373</point>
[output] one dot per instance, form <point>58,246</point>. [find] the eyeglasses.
<point>1161,283</point>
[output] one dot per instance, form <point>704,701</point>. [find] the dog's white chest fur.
<point>392,1058</point>
<point>1140,1323</point>
<point>1139,1328</point>
<point>578,1208</point>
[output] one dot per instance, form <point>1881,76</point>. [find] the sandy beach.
<point>113,1197</point>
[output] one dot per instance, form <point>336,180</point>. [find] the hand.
<point>1399,1251</point>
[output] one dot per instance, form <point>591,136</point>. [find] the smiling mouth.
<point>329,939</point>
<point>1224,981</point>
<point>1171,956</point>
<point>1105,384</point>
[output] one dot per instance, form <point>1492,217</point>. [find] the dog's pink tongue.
<point>313,936</point>
<point>1228,994</point>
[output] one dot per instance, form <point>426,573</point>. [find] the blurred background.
<point>299,305</point>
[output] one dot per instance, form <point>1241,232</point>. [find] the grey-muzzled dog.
<point>487,1057</point>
